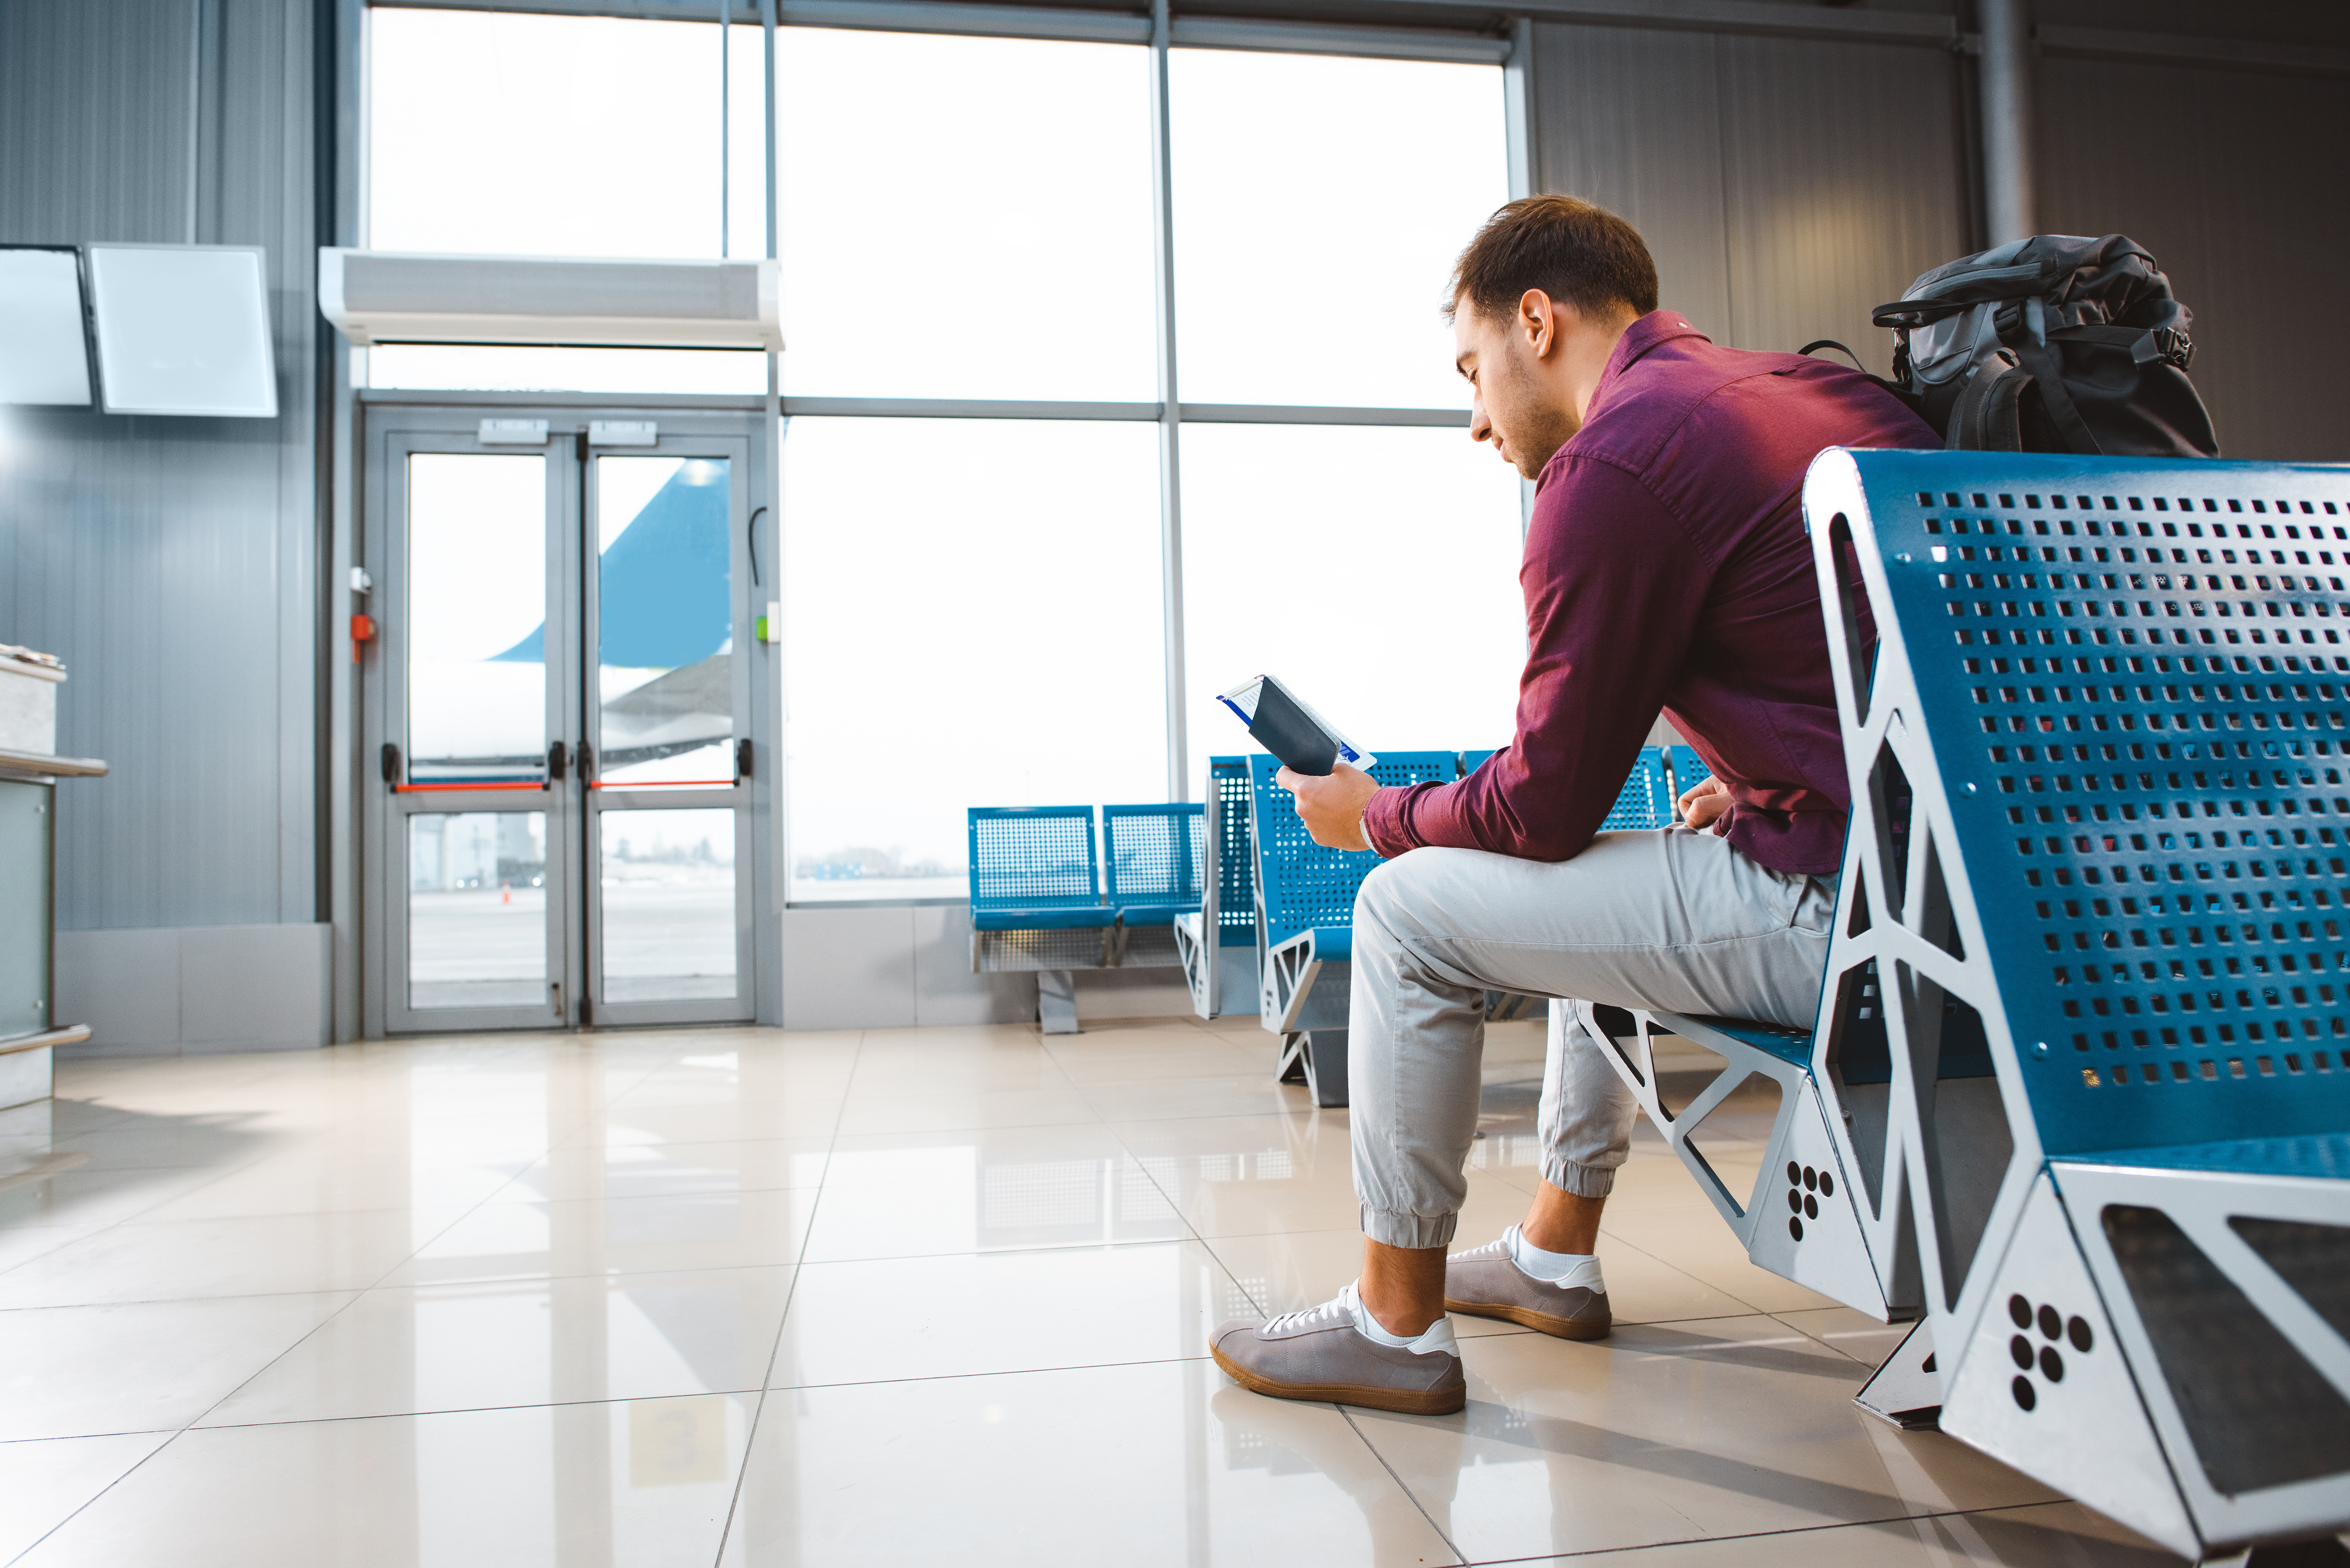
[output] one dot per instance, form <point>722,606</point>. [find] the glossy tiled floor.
<point>899,1296</point>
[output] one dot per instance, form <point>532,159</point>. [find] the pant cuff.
<point>1420,1231</point>
<point>1582,1180</point>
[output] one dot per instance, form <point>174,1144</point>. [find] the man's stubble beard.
<point>1537,428</point>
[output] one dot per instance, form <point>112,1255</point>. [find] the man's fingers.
<point>1285,779</point>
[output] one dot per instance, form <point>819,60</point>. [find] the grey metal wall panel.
<point>1841,180</point>
<point>94,116</point>
<point>1784,185</point>
<point>2232,180</point>
<point>1630,118</point>
<point>169,561</point>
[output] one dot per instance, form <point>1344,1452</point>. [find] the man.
<point>1666,568</point>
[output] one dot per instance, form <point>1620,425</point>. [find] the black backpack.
<point>2054,343</point>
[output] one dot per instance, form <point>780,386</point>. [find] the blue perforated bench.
<point>1043,901</point>
<point>1646,800</point>
<point>1032,868</point>
<point>1154,859</point>
<point>1689,771</point>
<point>1223,969</point>
<point>2078,1093</point>
<point>1305,919</point>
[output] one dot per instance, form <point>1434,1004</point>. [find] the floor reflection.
<point>737,1296</point>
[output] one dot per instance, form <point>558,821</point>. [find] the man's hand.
<point>1332,808</point>
<point>1703,802</point>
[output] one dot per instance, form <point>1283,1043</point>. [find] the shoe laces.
<point>1339,1309</point>
<point>1486,1253</point>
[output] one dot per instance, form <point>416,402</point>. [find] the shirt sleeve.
<point>1613,590</point>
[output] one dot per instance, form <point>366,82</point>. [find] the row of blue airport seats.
<point>1034,867</point>
<point>1054,890</point>
<point>1293,900</point>
<point>2076,1099</point>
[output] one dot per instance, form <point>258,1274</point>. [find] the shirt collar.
<point>1645,334</point>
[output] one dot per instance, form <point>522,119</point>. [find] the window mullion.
<point>1171,410</point>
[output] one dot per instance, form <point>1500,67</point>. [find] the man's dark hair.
<point>1569,248</point>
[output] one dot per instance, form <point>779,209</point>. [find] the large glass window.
<point>972,617</point>
<point>1374,569</point>
<point>965,217</point>
<point>1319,204</point>
<point>509,134</point>
<point>972,606</point>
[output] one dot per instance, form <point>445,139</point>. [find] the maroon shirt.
<point>1667,567</point>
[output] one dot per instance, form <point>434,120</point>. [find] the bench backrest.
<point>2119,791</point>
<point>1033,857</point>
<point>1646,801</point>
<point>1233,854</point>
<point>1153,854</point>
<point>1689,770</point>
<point>1300,885</point>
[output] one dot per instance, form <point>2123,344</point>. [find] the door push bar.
<point>557,762</point>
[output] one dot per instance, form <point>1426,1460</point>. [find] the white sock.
<point>1438,1335</point>
<point>1574,1270</point>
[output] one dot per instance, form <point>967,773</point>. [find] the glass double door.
<point>560,706</point>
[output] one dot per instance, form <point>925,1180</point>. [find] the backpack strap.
<point>1819,343</point>
<point>2033,352</point>
<point>1989,414</point>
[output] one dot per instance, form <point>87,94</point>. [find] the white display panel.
<point>44,357</point>
<point>183,329</point>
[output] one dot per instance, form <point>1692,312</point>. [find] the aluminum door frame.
<point>600,800</point>
<point>387,813</point>
<point>453,424</point>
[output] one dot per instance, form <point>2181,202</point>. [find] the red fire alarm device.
<point>362,631</point>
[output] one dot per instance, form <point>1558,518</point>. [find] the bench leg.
<point>1908,1389</point>
<point>1056,1001</point>
<point>2324,1552</point>
<point>1317,1058</point>
<point>1326,1065</point>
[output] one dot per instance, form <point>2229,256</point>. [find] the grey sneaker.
<point>1320,1355</point>
<point>1488,1282</point>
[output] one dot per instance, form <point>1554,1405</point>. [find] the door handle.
<point>741,760</point>
<point>390,764</point>
<point>586,763</point>
<point>555,757</point>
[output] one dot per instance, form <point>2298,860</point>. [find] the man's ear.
<point>1539,322</point>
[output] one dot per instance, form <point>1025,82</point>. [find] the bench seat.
<point>1042,917</point>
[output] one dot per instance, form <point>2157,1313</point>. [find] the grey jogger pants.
<point>1672,918</point>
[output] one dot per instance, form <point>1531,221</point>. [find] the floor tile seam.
<point>356,1295</point>
<point>1401,1485</point>
<point>742,1476</point>
<point>1201,1359</point>
<point>1664,1262</point>
<point>793,1262</point>
<point>524,1280</point>
<point>1174,1207</point>
<point>354,1290</point>
<point>799,1262</point>
<point>283,1214</point>
<point>1762,1534</point>
<point>79,1436</point>
<point>1094,1118</point>
<point>1825,1343</point>
<point>258,1372</point>
<point>95,1498</point>
<point>807,1263</point>
<point>746,1391</point>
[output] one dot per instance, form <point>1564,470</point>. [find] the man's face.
<point>1518,406</point>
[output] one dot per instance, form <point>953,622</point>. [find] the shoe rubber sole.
<point>1402,1401</point>
<point>1542,1322</point>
